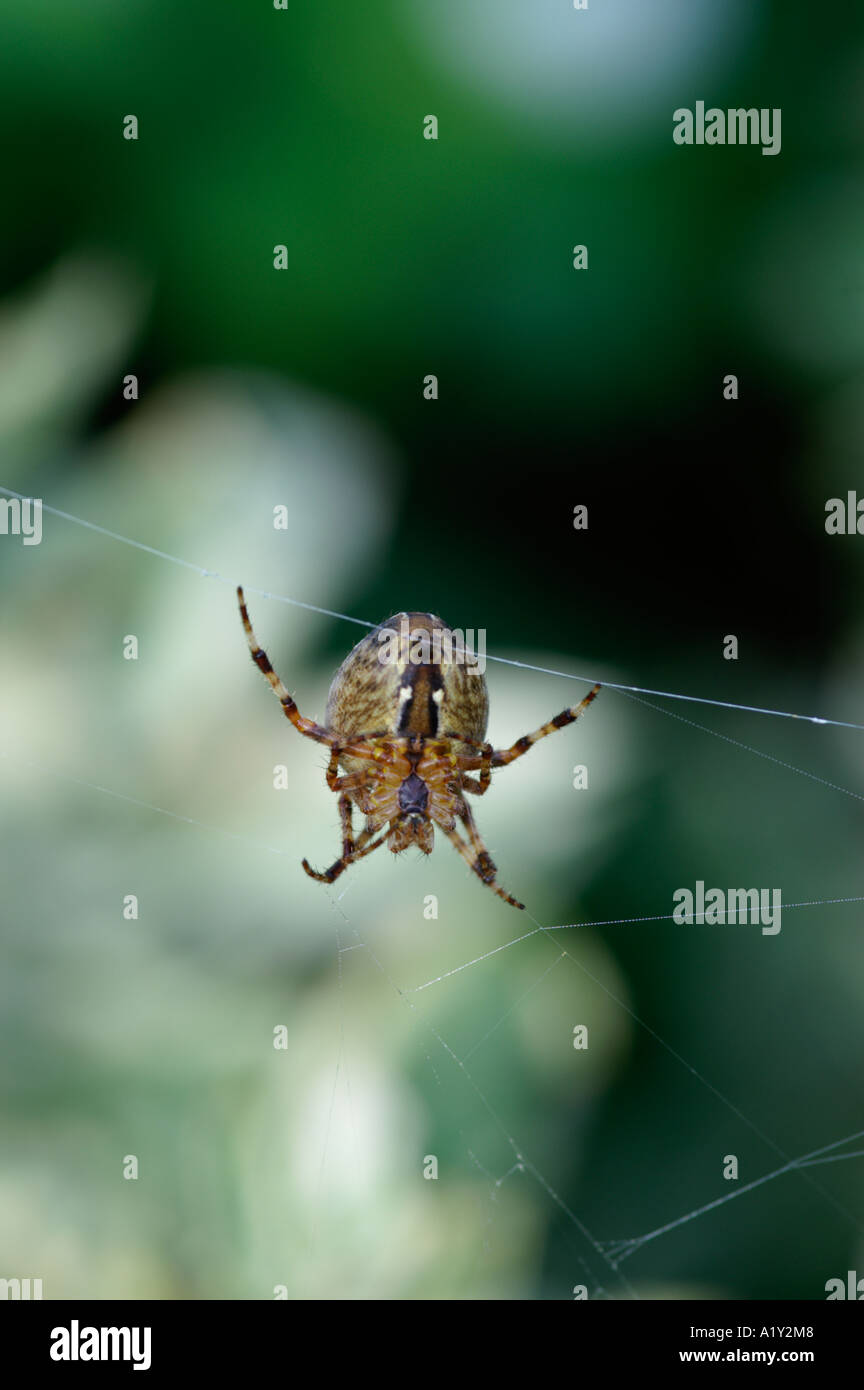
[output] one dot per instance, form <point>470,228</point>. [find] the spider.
<point>407,733</point>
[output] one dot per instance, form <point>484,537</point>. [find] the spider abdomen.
<point>410,675</point>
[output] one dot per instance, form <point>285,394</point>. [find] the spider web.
<point>598,1256</point>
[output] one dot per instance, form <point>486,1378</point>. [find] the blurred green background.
<point>303,1167</point>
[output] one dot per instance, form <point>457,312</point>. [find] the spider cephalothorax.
<point>406,721</point>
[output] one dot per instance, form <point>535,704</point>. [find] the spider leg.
<point>356,747</point>
<point>350,782</point>
<point>360,850</point>
<point>351,849</point>
<point>346,818</point>
<point>305,726</point>
<point>502,756</point>
<point>479,788</point>
<point>483,857</point>
<point>476,856</point>
<point>350,779</point>
<point>332,775</point>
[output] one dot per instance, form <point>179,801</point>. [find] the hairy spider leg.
<point>486,757</point>
<point>351,849</point>
<point>479,861</point>
<point>483,859</point>
<point>305,726</point>
<point>501,757</point>
<point>479,788</point>
<point>354,747</point>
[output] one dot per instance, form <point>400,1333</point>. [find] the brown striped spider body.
<point>406,723</point>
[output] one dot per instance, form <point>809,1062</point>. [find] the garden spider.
<point>408,733</point>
